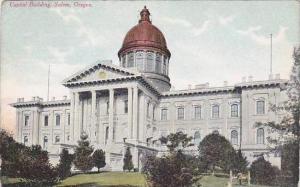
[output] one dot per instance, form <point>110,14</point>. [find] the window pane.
<point>57,120</point>
<point>164,114</point>
<point>57,139</point>
<point>260,107</point>
<point>215,111</point>
<point>234,137</point>
<point>46,121</point>
<point>164,69</point>
<point>26,120</point>
<point>139,60</point>
<point>126,106</point>
<point>158,63</point>
<point>123,61</point>
<point>69,119</point>
<point>150,61</point>
<point>234,110</point>
<point>180,113</point>
<point>260,136</point>
<point>130,62</point>
<point>197,112</point>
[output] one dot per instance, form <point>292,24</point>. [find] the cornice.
<point>41,104</point>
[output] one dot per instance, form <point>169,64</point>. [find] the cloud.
<point>59,55</point>
<point>226,20</point>
<point>89,35</point>
<point>204,27</point>
<point>264,39</point>
<point>196,31</point>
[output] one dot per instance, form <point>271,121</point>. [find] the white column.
<point>35,135</point>
<point>111,115</point>
<point>72,127</point>
<point>129,123</point>
<point>93,116</point>
<point>135,112</point>
<point>76,118</point>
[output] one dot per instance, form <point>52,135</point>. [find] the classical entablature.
<point>40,103</point>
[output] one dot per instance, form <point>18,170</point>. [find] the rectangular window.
<point>215,111</point>
<point>139,60</point>
<point>234,110</point>
<point>197,112</point>
<point>26,122</point>
<point>260,107</point>
<point>126,106</point>
<point>164,114</point>
<point>46,119</point>
<point>57,120</point>
<point>148,110</point>
<point>180,113</point>
<point>107,107</point>
<point>69,119</point>
<point>130,60</point>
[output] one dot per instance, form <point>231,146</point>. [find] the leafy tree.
<point>31,163</point>
<point>65,163</point>
<point>128,165</point>
<point>262,172</point>
<point>174,168</point>
<point>216,150</point>
<point>99,159</point>
<point>289,161</point>
<point>83,159</point>
<point>240,163</point>
<point>288,130</point>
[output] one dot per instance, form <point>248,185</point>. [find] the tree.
<point>65,163</point>
<point>31,163</point>
<point>83,159</point>
<point>175,168</point>
<point>216,150</point>
<point>240,162</point>
<point>289,158</point>
<point>263,173</point>
<point>128,165</point>
<point>99,159</point>
<point>288,129</point>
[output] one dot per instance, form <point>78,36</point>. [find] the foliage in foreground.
<point>99,158</point>
<point>175,168</point>
<point>127,160</point>
<point>216,151</point>
<point>262,172</point>
<point>65,163</point>
<point>83,159</point>
<point>31,163</point>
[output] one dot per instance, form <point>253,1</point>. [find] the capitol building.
<point>134,104</point>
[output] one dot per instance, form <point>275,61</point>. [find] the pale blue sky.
<point>210,41</point>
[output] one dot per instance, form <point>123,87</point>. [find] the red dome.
<point>144,35</point>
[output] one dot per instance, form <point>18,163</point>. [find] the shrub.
<point>65,163</point>
<point>128,165</point>
<point>262,172</point>
<point>83,159</point>
<point>99,159</point>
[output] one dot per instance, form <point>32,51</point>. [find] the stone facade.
<point>132,105</point>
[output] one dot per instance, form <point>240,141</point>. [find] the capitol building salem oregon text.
<point>133,105</point>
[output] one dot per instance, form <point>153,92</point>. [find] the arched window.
<point>57,139</point>
<point>197,138</point>
<point>260,107</point>
<point>45,142</point>
<point>150,61</point>
<point>215,111</point>
<point>25,140</point>
<point>234,137</point>
<point>158,63</point>
<point>164,68</point>
<point>130,60</point>
<point>234,110</point>
<point>139,60</point>
<point>260,136</point>
<point>124,61</point>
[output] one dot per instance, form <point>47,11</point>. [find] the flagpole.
<point>48,83</point>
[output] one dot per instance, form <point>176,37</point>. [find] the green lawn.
<point>122,179</point>
<point>106,179</point>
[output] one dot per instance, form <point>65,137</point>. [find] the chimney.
<point>53,98</point>
<point>65,97</point>
<point>277,76</point>
<point>33,98</point>
<point>271,77</point>
<point>225,83</point>
<point>243,79</point>
<point>250,78</point>
<point>202,86</point>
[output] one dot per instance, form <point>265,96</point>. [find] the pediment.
<point>102,70</point>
